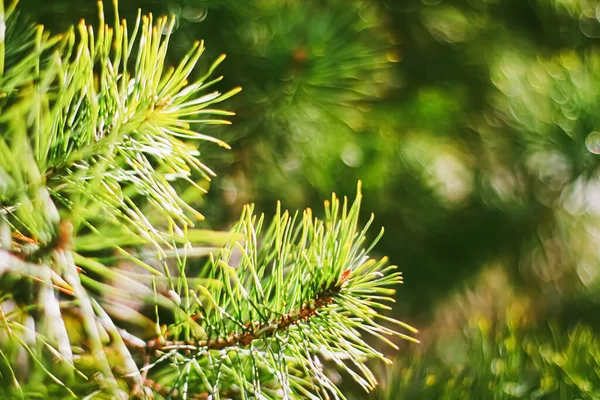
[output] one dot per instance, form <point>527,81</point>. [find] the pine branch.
<point>282,300</point>
<point>102,141</point>
<point>256,330</point>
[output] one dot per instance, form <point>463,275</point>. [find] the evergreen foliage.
<point>108,290</point>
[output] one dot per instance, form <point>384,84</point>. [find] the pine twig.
<point>255,331</point>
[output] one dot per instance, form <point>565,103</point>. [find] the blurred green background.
<point>475,128</point>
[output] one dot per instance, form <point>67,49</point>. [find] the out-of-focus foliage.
<point>493,343</point>
<point>497,360</point>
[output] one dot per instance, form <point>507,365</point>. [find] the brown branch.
<point>254,330</point>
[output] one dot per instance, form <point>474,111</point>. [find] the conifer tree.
<point>108,290</point>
